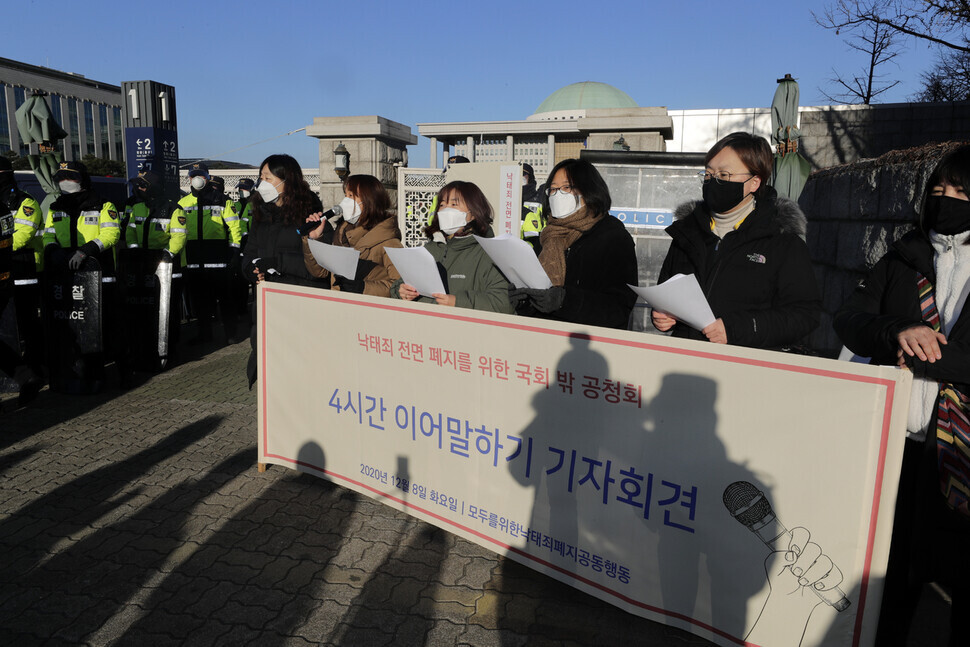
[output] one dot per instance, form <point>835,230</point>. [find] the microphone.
<point>330,215</point>
<point>750,507</point>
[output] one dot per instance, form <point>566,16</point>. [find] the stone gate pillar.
<point>377,146</point>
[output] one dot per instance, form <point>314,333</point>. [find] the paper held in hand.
<point>417,268</point>
<point>680,296</point>
<point>516,259</point>
<point>338,260</point>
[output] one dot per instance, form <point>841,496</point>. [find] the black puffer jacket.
<point>600,266</point>
<point>277,244</point>
<point>887,302</point>
<point>758,279</point>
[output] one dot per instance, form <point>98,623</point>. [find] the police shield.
<point>146,293</point>
<point>73,322</point>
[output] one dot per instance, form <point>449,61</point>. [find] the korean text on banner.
<point>668,477</point>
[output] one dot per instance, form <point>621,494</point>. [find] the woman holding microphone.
<point>369,226</point>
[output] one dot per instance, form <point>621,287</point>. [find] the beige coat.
<point>371,244</point>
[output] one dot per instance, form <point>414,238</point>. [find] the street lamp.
<point>341,161</point>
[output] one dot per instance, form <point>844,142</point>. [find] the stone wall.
<point>855,212</point>
<point>833,135</point>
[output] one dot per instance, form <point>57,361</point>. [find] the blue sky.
<point>246,72</point>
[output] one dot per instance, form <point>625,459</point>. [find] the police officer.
<point>242,288</point>
<point>80,226</point>
<point>242,206</point>
<point>533,219</point>
<point>156,224</point>
<point>81,222</point>
<point>213,238</point>
<point>21,216</point>
<point>12,232</point>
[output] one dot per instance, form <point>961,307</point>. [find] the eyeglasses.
<point>565,188</point>
<point>720,176</point>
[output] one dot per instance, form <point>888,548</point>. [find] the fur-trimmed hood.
<point>785,215</point>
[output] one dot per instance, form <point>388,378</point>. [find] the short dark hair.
<point>953,169</point>
<point>475,200</point>
<point>375,203</point>
<point>754,152</point>
<point>584,177</point>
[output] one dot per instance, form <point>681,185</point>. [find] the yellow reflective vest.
<point>99,226</point>
<point>28,232</point>
<point>161,228</point>
<point>217,222</point>
<point>533,220</point>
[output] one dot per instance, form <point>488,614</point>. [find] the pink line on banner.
<point>839,375</point>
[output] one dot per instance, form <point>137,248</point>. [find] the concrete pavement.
<point>138,518</point>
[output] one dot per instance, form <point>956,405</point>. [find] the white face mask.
<point>451,220</point>
<point>267,191</point>
<point>198,182</point>
<point>244,194</point>
<point>69,186</point>
<point>351,210</point>
<point>564,204</point>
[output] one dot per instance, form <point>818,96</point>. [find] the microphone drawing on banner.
<point>332,215</point>
<point>750,507</point>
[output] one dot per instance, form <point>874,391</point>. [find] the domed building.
<point>586,115</point>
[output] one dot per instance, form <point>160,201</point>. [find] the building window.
<point>74,129</point>
<point>4,128</point>
<point>89,146</point>
<point>119,140</point>
<point>55,104</point>
<point>105,152</point>
<point>20,95</point>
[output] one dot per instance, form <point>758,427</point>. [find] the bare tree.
<point>949,80</point>
<point>876,42</point>
<point>943,22</point>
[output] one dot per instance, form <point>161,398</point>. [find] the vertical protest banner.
<point>667,477</point>
<point>501,183</point>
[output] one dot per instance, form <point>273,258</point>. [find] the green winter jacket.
<point>469,274</point>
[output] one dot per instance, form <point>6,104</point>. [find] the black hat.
<point>458,159</point>
<point>199,168</point>
<point>527,169</point>
<point>218,181</point>
<point>245,184</point>
<point>70,171</point>
<point>5,164</point>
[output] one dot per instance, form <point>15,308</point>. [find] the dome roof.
<point>587,94</point>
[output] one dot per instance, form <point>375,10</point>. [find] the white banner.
<point>666,477</point>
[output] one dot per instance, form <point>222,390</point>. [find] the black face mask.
<point>946,215</point>
<point>721,197</point>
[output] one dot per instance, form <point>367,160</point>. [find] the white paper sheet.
<point>339,260</point>
<point>517,261</point>
<point>417,267</point>
<point>680,296</point>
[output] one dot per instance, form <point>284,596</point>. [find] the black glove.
<point>548,300</point>
<point>347,285</point>
<point>517,296</point>
<point>363,269</point>
<point>265,267</point>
